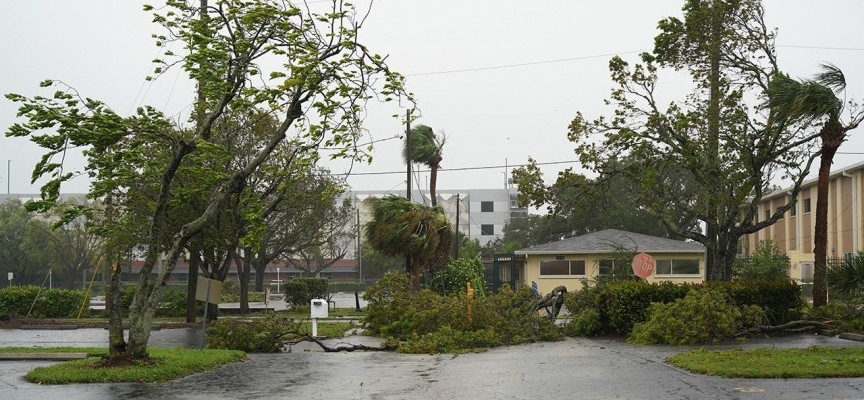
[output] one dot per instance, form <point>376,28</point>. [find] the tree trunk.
<point>192,286</point>
<point>260,269</point>
<point>433,180</point>
<point>243,274</point>
<point>116,341</point>
<point>415,272</point>
<point>832,137</point>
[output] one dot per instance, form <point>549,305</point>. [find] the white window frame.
<point>672,267</point>
<point>569,268</point>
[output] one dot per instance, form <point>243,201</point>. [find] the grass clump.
<point>812,362</point>
<point>163,365</point>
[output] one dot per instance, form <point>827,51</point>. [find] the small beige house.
<point>567,262</point>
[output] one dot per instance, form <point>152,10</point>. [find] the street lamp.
<point>278,282</point>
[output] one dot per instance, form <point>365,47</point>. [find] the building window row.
<point>562,268</point>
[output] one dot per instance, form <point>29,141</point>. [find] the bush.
<point>261,335</point>
<point>52,303</point>
<point>703,316</point>
<point>457,273</point>
<point>766,264</point>
<point>614,308</point>
<point>296,292</point>
<point>628,301</point>
<point>301,291</point>
<point>781,299</point>
<point>849,317</point>
<point>427,322</point>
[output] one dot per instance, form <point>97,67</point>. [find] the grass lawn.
<point>812,362</point>
<point>338,313</point>
<point>168,364</point>
<point>331,329</point>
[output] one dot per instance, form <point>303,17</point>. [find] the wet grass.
<point>812,362</point>
<point>331,329</point>
<point>164,365</point>
<point>338,313</point>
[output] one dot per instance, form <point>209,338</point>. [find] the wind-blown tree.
<point>426,149</point>
<point>399,226</point>
<point>578,205</point>
<point>816,100</point>
<point>729,150</point>
<point>22,244</point>
<point>317,94</point>
<point>73,247</point>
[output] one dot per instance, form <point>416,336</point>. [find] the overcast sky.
<point>502,78</point>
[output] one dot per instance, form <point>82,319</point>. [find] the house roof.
<point>604,242</point>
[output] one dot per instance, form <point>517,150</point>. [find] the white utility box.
<point>319,308</point>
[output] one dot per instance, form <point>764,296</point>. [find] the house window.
<point>487,229</point>
<point>806,206</point>
<point>677,266</point>
<point>487,206</point>
<point>562,268</point>
<point>767,214</point>
<point>793,211</point>
<point>607,267</point>
<point>848,256</point>
<point>806,271</point>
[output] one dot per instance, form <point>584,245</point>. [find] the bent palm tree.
<point>399,226</point>
<point>426,148</point>
<point>812,100</point>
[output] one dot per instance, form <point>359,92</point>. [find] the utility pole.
<point>456,242</point>
<point>408,162</point>
<point>359,247</point>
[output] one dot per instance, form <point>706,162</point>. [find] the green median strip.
<point>812,362</point>
<point>164,364</point>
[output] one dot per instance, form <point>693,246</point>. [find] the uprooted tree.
<point>316,93</point>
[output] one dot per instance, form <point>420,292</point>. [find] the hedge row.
<point>52,303</point>
<point>615,307</point>
<point>301,291</point>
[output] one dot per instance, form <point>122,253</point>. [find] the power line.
<point>454,71</point>
<point>463,168</point>
<point>558,60</point>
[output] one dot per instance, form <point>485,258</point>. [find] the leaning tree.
<point>304,68</point>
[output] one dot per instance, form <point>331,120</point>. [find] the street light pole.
<point>278,281</point>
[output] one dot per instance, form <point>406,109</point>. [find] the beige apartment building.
<point>794,233</point>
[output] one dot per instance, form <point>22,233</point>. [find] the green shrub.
<point>296,292</point>
<point>59,303</point>
<point>301,291</point>
<point>848,317</point>
<point>703,316</point>
<point>781,299</point>
<point>17,299</point>
<point>767,263</point>
<point>615,307</point>
<point>424,321</point>
<point>621,304</point>
<point>260,335</point>
<point>52,303</point>
<point>453,278</point>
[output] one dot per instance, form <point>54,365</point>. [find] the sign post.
<point>10,278</point>
<point>643,265</point>
<point>208,291</point>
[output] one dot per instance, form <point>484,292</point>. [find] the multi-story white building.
<point>482,212</point>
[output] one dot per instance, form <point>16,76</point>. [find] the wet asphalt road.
<point>571,369</point>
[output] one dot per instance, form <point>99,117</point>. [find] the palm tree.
<point>808,101</point>
<point>426,148</point>
<point>399,226</point>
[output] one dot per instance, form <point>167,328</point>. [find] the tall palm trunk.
<point>433,179</point>
<point>832,136</point>
<point>415,272</point>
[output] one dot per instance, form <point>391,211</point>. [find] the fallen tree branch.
<point>791,327</point>
<point>554,299</point>
<point>348,347</point>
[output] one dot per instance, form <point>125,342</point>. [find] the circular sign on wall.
<point>643,265</point>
